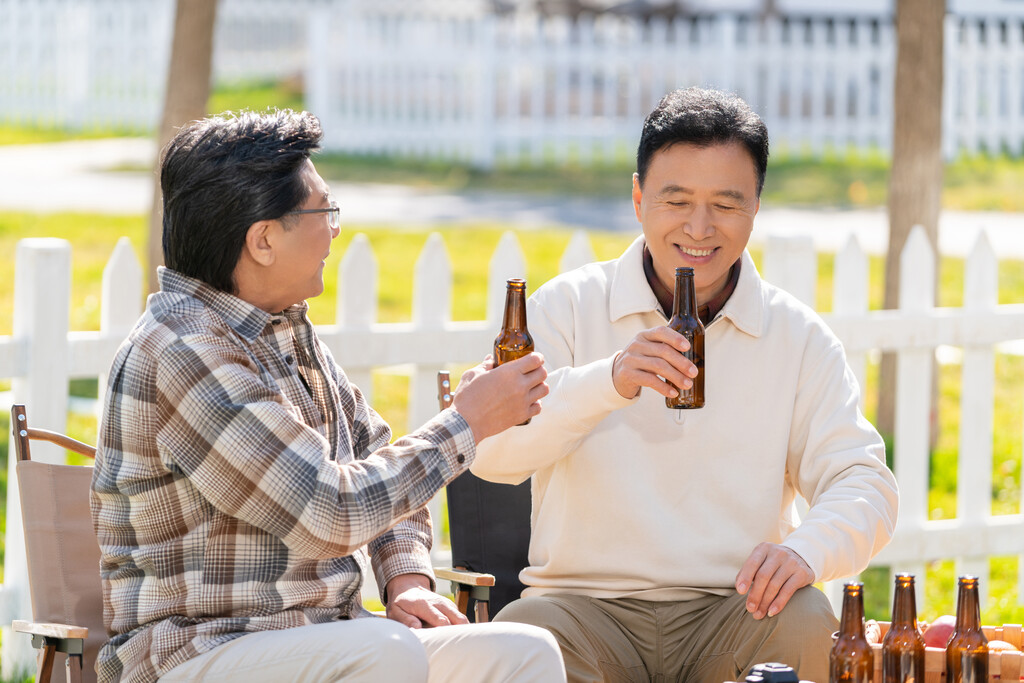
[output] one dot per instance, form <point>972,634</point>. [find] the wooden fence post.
<point>121,299</point>
<point>42,289</point>
<point>507,261</point>
<point>431,309</point>
<point>974,461</point>
<point>357,301</point>
<point>790,263</point>
<point>577,253</point>
<point>913,394</point>
<point>850,297</point>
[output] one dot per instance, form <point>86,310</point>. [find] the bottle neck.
<point>684,301</point>
<point>852,620</point>
<point>515,308</point>
<point>968,607</point>
<point>904,605</point>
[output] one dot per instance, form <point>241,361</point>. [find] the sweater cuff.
<point>810,553</point>
<point>589,393</point>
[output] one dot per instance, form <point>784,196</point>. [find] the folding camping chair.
<point>67,602</point>
<point>490,532</point>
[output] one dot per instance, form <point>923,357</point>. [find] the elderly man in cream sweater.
<point>663,545</point>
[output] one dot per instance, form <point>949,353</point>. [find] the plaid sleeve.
<point>227,428</point>
<point>405,548</point>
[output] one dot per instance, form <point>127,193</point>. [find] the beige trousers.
<point>710,639</point>
<point>376,650</point>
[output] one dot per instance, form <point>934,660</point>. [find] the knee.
<point>518,652</point>
<point>810,615</point>
<point>391,651</point>
<point>544,611</point>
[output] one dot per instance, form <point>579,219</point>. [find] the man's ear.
<point>638,195</point>
<point>259,242</point>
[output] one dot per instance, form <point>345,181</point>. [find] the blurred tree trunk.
<point>188,89</point>
<point>915,181</point>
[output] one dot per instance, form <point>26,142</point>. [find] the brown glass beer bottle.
<point>851,660</point>
<point>514,340</point>
<point>903,646</point>
<point>685,321</point>
<point>967,651</point>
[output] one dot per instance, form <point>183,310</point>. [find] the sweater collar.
<point>631,293</point>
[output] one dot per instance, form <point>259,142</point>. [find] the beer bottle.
<point>685,321</point>
<point>967,651</point>
<point>514,340</point>
<point>851,660</point>
<point>903,646</point>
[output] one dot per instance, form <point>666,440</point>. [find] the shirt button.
<point>289,359</point>
<point>461,458</point>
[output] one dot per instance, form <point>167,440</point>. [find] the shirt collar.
<point>665,296</point>
<point>631,293</point>
<point>246,320</point>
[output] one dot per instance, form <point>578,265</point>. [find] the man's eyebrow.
<point>673,189</point>
<point>679,189</point>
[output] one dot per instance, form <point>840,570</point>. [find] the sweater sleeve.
<point>579,398</point>
<point>837,461</point>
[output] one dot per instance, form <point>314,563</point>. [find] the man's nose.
<point>698,224</point>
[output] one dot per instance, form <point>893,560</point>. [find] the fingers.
<point>653,356</point>
<point>396,613</point>
<point>420,608</point>
<point>770,577</point>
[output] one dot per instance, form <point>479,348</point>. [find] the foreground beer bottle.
<point>851,660</point>
<point>685,321</point>
<point>967,651</point>
<point>514,340</point>
<point>903,646</point>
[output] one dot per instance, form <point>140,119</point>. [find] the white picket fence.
<point>42,355</point>
<point>404,78</point>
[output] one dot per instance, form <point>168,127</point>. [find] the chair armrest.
<point>50,630</point>
<point>464,577</point>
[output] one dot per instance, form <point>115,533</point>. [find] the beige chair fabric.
<point>63,554</point>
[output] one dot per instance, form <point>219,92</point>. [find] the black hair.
<point>224,173</point>
<point>703,117</point>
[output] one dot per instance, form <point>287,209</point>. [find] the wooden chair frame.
<point>50,639</point>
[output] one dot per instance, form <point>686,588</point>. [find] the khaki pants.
<point>375,650</point>
<point>710,639</point>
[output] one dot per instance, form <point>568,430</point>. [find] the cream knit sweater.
<point>632,499</point>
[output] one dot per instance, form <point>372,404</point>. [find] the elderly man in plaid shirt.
<point>243,486</point>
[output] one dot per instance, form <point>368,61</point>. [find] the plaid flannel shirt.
<point>238,478</point>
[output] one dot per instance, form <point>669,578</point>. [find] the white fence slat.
<point>977,387</point>
<point>357,300</point>
<point>121,298</point>
<point>42,288</point>
<point>913,385</point>
<point>850,298</point>
<point>790,263</point>
<point>431,309</point>
<point>507,262</point>
<point>577,253</point>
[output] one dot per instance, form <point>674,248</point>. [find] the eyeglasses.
<point>333,214</point>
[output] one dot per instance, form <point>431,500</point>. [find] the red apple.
<point>938,632</point>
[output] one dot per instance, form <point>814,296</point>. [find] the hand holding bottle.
<point>652,355</point>
<point>493,399</point>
